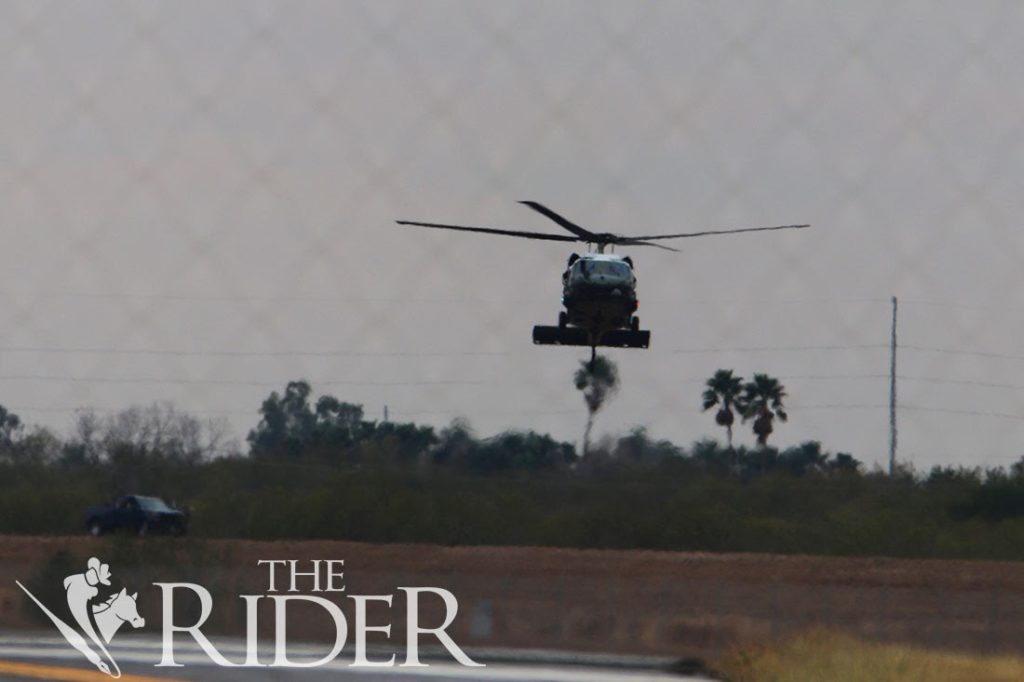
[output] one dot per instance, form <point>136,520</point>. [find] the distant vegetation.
<point>317,468</point>
<point>821,655</point>
<point>598,380</point>
<point>760,400</point>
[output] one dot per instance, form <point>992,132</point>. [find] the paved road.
<point>51,658</point>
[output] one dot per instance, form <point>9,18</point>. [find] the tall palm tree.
<point>723,389</point>
<point>762,402</point>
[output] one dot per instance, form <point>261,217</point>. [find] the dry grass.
<point>631,602</point>
<point>823,656</point>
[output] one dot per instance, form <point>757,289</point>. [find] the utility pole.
<point>385,414</point>
<point>892,393</point>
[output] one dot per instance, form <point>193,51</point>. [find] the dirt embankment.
<point>610,601</point>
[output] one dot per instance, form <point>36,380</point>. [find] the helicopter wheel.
<point>634,323</point>
<point>563,320</point>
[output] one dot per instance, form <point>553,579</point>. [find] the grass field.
<point>682,604</point>
<point>822,655</point>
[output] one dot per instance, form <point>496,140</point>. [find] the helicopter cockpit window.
<point>590,268</point>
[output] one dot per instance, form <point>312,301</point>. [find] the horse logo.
<point>100,623</point>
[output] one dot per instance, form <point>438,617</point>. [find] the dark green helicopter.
<point>598,288</point>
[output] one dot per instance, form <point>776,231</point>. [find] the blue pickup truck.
<point>138,514</point>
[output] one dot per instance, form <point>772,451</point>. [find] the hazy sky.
<point>198,202</point>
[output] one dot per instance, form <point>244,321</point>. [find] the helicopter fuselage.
<point>599,293</point>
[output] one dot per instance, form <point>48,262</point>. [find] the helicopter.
<point>598,288</point>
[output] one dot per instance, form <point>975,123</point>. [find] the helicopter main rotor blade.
<point>583,234</point>
<point>635,242</point>
<point>707,232</point>
<point>492,230</point>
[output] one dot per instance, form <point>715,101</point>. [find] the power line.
<point>319,298</point>
<point>227,298</point>
<point>972,413</point>
<point>455,382</point>
<point>963,382</point>
<point>312,298</point>
<point>582,409</point>
<point>554,413</point>
<point>964,306</point>
<point>763,301</point>
<point>229,382</point>
<point>953,351</point>
<point>831,377</point>
<point>799,377</point>
<point>243,353</point>
<point>110,350</point>
<point>769,349</point>
<point>111,410</point>
<point>839,406</point>
<point>490,413</point>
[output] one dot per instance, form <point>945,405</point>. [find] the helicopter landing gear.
<point>563,320</point>
<point>544,335</point>
<point>634,323</point>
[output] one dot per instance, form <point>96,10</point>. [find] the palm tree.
<point>723,389</point>
<point>762,402</point>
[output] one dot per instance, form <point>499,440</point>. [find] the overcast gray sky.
<point>198,202</point>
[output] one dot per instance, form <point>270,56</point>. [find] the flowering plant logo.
<point>98,624</point>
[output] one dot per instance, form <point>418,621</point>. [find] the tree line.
<point>296,426</point>
<point>316,467</point>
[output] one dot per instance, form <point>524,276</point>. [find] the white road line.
<point>147,651</point>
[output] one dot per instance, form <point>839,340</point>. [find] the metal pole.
<point>892,393</point>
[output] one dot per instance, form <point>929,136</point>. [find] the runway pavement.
<point>24,656</point>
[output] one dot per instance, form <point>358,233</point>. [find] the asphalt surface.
<point>52,658</point>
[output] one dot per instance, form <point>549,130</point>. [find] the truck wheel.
<point>95,529</point>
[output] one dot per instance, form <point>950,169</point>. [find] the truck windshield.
<point>153,504</point>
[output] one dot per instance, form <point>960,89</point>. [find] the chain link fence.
<point>199,204</point>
